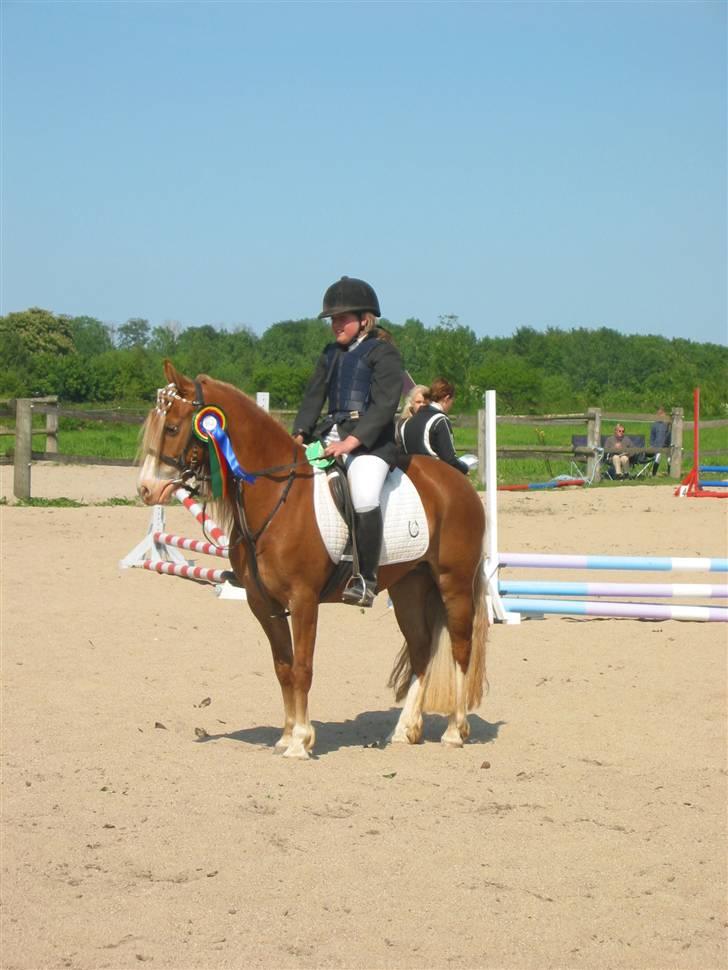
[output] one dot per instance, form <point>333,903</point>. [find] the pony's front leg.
<point>278,633</point>
<point>304,620</point>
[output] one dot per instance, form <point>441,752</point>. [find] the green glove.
<point>315,455</point>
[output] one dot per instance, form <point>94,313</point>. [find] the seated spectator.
<point>616,451</point>
<point>660,436</point>
<point>428,431</point>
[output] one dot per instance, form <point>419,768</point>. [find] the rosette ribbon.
<point>209,426</point>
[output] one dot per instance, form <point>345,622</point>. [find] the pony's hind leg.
<point>410,598</point>
<point>408,729</point>
<point>459,609</point>
<point>463,598</point>
<point>458,727</point>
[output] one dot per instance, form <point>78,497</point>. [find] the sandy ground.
<point>583,827</point>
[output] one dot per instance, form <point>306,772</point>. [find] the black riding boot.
<point>362,587</point>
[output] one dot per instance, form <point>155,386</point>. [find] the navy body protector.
<point>349,380</point>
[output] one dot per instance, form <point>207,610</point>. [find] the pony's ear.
<point>182,383</point>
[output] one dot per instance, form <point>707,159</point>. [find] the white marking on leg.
<point>301,741</point>
<point>289,719</point>
<point>409,725</point>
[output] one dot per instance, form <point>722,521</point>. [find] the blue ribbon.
<point>226,449</point>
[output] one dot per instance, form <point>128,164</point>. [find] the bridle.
<point>166,397</point>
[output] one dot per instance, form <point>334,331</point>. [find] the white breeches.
<point>366,474</point>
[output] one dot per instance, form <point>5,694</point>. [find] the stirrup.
<point>358,592</point>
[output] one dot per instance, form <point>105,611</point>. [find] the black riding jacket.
<point>428,432</point>
<point>362,385</point>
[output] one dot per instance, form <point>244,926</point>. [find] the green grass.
<point>93,438</point>
<point>100,441</point>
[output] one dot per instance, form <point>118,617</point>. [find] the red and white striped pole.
<point>206,521</point>
<point>202,573</point>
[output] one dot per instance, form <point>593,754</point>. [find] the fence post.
<point>676,443</point>
<point>594,440</point>
<point>481,445</point>
<point>23,447</point>
<point>51,442</point>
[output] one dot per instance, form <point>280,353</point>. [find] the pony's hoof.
<point>414,733</point>
<point>452,739</point>
<point>301,741</point>
<point>296,751</point>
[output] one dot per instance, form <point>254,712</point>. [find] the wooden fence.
<point>23,410</point>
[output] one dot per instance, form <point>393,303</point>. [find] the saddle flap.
<point>406,532</point>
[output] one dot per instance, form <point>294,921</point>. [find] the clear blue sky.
<point>540,164</point>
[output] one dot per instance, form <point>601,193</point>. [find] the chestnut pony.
<point>278,555</point>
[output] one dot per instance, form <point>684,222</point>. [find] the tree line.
<point>82,359</point>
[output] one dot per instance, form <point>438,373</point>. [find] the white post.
<point>496,609</point>
<point>149,549</point>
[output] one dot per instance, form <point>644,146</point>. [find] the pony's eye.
<point>171,429</point>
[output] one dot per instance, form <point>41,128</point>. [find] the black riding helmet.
<point>349,295</point>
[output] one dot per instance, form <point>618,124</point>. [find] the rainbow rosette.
<point>209,425</point>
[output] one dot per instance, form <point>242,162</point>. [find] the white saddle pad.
<point>406,533</point>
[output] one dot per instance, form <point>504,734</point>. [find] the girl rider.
<point>360,376</point>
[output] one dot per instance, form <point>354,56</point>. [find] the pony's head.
<point>170,454</point>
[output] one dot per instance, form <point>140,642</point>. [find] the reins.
<point>281,498</point>
<point>274,469</point>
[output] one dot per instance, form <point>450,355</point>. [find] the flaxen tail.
<point>439,680</point>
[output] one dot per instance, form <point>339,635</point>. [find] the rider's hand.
<point>344,447</point>
<point>298,438</point>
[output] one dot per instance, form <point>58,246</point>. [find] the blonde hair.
<point>368,321</point>
<point>408,407</point>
